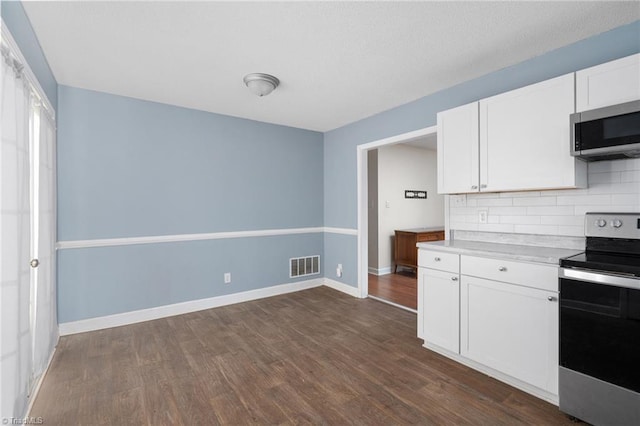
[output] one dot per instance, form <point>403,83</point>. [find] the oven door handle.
<point>600,278</point>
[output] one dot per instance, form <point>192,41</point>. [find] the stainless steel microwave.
<point>606,133</point>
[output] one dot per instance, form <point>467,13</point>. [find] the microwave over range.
<point>606,133</point>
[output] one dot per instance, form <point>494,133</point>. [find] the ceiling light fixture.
<point>261,84</point>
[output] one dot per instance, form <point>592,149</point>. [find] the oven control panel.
<point>612,225</point>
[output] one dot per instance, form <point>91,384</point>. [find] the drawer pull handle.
<point>437,259</point>
<point>502,268</point>
<point>474,186</point>
<point>551,299</point>
<point>454,278</point>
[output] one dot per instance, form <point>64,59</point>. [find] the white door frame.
<point>363,220</point>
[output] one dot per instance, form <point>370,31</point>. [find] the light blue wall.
<point>16,20</point>
<point>340,181</point>
<point>95,282</point>
<point>131,168</point>
<point>341,249</point>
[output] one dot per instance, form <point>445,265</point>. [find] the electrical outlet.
<point>459,200</point>
<point>227,277</point>
<point>483,216</point>
<point>339,270</point>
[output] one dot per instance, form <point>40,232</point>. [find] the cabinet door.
<point>512,329</point>
<point>525,138</point>
<point>441,308</point>
<point>608,84</point>
<point>458,150</point>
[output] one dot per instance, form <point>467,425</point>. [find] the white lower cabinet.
<point>441,301</point>
<point>512,329</point>
<point>498,316</point>
<point>432,264</point>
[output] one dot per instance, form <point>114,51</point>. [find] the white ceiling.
<point>429,142</point>
<point>338,62</point>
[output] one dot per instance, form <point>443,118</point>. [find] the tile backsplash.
<point>614,186</point>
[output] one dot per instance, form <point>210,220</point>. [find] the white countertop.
<point>418,230</point>
<point>508,251</point>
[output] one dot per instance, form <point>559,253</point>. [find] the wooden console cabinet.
<point>406,252</point>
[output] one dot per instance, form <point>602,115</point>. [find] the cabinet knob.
<point>454,278</point>
<point>502,268</point>
<point>484,185</point>
<point>551,298</point>
<point>474,186</point>
<point>437,259</point>
<point>34,263</point>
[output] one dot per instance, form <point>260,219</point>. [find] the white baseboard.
<point>34,392</point>
<point>345,288</point>
<point>133,317</point>
<point>381,271</point>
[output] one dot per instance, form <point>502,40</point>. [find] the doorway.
<point>383,208</point>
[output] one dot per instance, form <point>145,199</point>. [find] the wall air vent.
<point>301,266</point>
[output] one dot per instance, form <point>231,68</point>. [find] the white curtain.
<point>45,324</point>
<point>15,241</point>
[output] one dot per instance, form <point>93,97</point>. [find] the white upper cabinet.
<point>525,139</point>
<point>458,149</point>
<point>608,84</point>
<point>515,141</point>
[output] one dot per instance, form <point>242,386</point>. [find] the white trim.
<point>344,288</point>
<point>344,231</point>
<point>15,50</point>
<point>361,174</point>
<point>523,386</point>
<point>106,242</point>
<point>133,317</point>
<point>34,393</point>
<point>381,271</point>
<point>447,226</point>
<point>388,302</point>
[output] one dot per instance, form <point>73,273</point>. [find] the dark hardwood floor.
<point>313,357</point>
<point>400,288</point>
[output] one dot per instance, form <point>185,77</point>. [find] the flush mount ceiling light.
<point>261,84</point>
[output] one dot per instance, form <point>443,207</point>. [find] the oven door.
<point>600,326</point>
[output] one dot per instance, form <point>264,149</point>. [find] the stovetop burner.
<point>612,244</point>
<point>605,262</point>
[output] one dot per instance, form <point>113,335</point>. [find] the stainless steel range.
<point>599,376</point>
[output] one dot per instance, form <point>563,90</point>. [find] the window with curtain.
<point>28,324</point>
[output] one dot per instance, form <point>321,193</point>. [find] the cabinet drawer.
<point>431,236</point>
<point>544,277</point>
<point>449,262</point>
